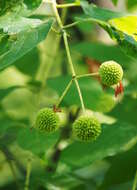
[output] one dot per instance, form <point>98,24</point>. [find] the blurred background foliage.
<point>38,76</point>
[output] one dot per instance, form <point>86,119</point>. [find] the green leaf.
<point>101,52</point>
<point>97,13</point>
<point>125,31</point>
<point>5,91</point>
<point>6,123</point>
<point>9,5</point>
<point>36,142</point>
<point>115,2</point>
<point>126,110</point>
<point>18,6</point>
<point>9,129</point>
<point>105,19</point>
<point>131,4</point>
<point>19,36</point>
<point>125,186</point>
<point>126,42</point>
<point>93,95</point>
<point>19,104</point>
<point>68,181</point>
<point>127,25</point>
<point>112,140</point>
<point>32,57</point>
<point>124,165</point>
<point>31,4</point>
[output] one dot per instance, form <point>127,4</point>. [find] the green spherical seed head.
<point>86,128</point>
<point>111,73</point>
<point>47,120</point>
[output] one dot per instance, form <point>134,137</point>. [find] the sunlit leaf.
<point>127,25</point>
<point>104,17</point>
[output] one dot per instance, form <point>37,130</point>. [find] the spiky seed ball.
<point>111,73</point>
<point>47,120</point>
<point>86,128</point>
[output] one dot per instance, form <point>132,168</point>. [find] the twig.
<point>68,52</point>
<point>87,75</point>
<point>68,5</point>
<point>9,156</point>
<point>28,172</point>
<point>135,182</point>
<point>11,165</point>
<point>64,93</point>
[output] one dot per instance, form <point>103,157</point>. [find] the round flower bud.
<point>111,73</point>
<point>86,128</point>
<point>47,120</point>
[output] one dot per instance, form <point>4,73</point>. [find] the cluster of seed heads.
<point>85,128</point>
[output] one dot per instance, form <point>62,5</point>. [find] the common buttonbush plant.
<point>68,99</point>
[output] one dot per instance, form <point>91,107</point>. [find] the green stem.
<point>10,158</point>
<point>28,172</point>
<point>70,83</point>
<point>11,165</point>
<point>135,182</point>
<point>56,31</point>
<point>64,93</point>
<point>13,172</point>
<point>68,52</point>
<point>56,13</point>
<point>72,24</point>
<point>87,75</point>
<point>80,94</point>
<point>72,69</point>
<point>68,5</point>
<point>85,20</point>
<point>64,15</point>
